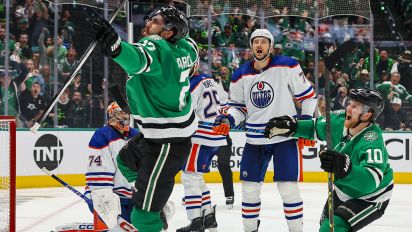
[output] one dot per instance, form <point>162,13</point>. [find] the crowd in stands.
<point>32,83</point>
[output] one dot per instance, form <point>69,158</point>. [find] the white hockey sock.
<point>206,197</point>
<point>250,205</point>
<point>292,204</point>
<point>193,194</point>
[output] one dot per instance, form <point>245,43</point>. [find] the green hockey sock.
<point>146,221</point>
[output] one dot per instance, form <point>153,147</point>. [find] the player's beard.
<point>261,56</point>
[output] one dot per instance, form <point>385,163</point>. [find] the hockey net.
<point>7,173</point>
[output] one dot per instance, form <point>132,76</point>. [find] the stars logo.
<point>371,136</point>
<point>31,106</point>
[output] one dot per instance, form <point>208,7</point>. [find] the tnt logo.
<point>261,94</point>
<point>48,152</point>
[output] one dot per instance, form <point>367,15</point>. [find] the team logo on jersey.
<point>371,136</point>
<point>261,94</point>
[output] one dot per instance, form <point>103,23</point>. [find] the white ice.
<point>41,210</point>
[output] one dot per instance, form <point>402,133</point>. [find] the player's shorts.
<point>358,213</point>
<point>287,161</point>
<point>200,158</point>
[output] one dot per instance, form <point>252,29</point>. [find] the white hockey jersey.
<point>205,101</point>
<point>104,147</point>
<point>257,96</point>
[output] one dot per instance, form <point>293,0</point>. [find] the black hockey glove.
<point>106,36</point>
<point>335,162</point>
<point>283,126</point>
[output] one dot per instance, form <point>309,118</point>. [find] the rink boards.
<point>65,153</point>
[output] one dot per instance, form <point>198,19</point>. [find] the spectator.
<point>32,104</point>
<point>44,35</point>
<point>12,95</point>
<point>63,108</point>
<point>395,118</point>
<point>383,63</point>
<point>69,63</point>
<point>227,36</point>
<point>339,102</point>
<point>2,43</point>
<point>33,76</point>
<point>394,88</point>
<point>363,80</point>
<point>61,51</point>
<point>24,45</point>
<point>38,21</point>
<point>278,49</point>
<point>404,67</point>
<point>77,112</point>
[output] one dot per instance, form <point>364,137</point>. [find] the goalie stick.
<point>344,49</point>
<point>82,60</point>
<point>124,224</point>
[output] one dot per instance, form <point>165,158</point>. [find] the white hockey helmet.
<point>262,33</point>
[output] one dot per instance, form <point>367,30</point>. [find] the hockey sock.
<point>193,194</point>
<point>146,221</point>
<point>250,205</point>
<point>206,198</point>
<point>292,204</point>
<point>340,225</point>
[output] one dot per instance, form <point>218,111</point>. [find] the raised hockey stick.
<point>124,224</point>
<point>82,60</point>
<point>346,48</point>
<point>118,97</point>
<point>202,123</point>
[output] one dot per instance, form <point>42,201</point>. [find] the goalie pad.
<point>107,205</point>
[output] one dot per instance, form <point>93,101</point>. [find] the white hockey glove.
<point>107,205</point>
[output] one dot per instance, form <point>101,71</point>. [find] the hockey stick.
<point>202,123</point>
<point>346,48</point>
<point>83,59</point>
<point>118,97</point>
<point>124,224</point>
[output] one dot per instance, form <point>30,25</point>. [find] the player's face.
<point>260,47</point>
<point>154,26</point>
<point>354,111</point>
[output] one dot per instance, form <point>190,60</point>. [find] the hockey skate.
<point>230,201</point>
<point>196,225</point>
<point>210,223</point>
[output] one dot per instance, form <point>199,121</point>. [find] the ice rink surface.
<point>41,210</point>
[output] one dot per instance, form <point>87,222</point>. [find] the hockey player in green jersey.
<point>363,178</point>
<point>158,67</point>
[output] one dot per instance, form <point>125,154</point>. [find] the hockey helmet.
<point>262,33</point>
<point>371,99</point>
<point>117,118</point>
<point>174,19</point>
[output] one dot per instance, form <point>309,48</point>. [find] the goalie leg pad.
<point>107,205</point>
<point>193,193</point>
<point>250,205</point>
<point>292,204</point>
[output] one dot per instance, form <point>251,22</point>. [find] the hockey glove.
<point>106,36</point>
<point>335,162</point>
<point>223,123</point>
<point>283,126</point>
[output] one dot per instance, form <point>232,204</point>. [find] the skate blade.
<point>212,230</point>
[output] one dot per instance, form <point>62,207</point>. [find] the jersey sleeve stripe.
<point>104,146</point>
<point>376,176</point>
<point>310,95</point>
<point>100,173</point>
<point>149,59</point>
<point>304,92</point>
<point>236,104</point>
<point>256,124</point>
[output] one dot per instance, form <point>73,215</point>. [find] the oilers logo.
<point>261,94</point>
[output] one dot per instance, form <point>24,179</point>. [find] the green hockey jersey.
<point>158,86</point>
<point>371,177</point>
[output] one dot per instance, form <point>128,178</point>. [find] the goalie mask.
<point>117,118</point>
<point>262,33</point>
